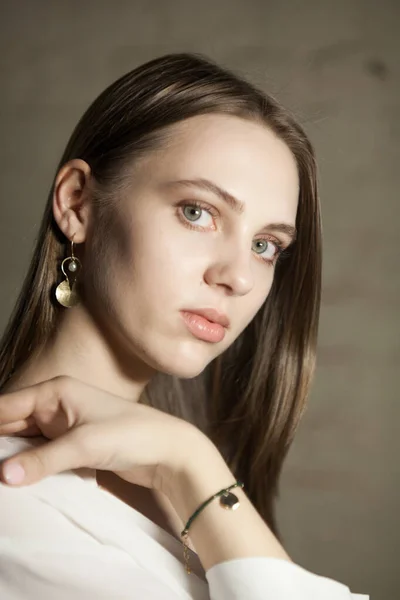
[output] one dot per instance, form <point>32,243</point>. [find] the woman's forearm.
<point>219,534</point>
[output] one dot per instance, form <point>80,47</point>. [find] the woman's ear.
<point>71,199</point>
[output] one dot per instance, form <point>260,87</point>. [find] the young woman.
<point>160,355</point>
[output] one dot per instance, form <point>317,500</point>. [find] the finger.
<point>25,427</point>
<point>66,452</point>
<point>18,405</point>
<point>45,395</point>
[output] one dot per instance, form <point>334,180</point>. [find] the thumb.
<point>55,456</point>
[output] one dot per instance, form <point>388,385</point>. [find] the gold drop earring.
<point>66,291</point>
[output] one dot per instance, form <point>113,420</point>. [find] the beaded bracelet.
<point>228,501</point>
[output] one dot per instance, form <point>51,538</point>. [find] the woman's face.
<point>163,255</point>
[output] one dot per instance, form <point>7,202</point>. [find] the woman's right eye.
<point>192,212</point>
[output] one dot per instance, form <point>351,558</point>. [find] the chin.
<point>186,373</point>
<point>184,363</point>
<point>182,369</point>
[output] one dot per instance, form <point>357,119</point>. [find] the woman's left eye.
<point>276,250</point>
<point>192,216</point>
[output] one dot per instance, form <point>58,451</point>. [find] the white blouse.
<point>64,538</point>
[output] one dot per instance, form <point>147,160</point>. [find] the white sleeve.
<point>263,578</point>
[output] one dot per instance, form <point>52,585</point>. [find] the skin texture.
<point>153,264</point>
<point>149,263</point>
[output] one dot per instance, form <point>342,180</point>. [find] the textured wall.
<point>336,65</point>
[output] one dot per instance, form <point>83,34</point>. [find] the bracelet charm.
<point>228,500</point>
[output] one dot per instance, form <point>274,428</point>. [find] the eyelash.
<point>280,248</point>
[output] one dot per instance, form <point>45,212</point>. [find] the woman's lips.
<point>202,328</point>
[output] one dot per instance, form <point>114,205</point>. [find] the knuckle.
<point>63,384</point>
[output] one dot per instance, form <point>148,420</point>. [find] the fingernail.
<point>13,473</point>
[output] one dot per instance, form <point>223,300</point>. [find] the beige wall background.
<point>336,65</point>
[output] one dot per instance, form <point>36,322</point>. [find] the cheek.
<point>248,306</point>
<point>254,305</point>
<point>145,263</point>
<point>108,265</point>
<point>264,287</point>
<point>168,266</point>
<point>102,280</point>
<point>162,265</point>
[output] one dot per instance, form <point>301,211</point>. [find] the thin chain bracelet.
<point>228,501</point>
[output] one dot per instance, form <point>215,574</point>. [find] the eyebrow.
<point>235,204</point>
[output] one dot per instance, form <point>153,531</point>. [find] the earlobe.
<point>71,199</point>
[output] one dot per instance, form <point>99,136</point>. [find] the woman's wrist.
<point>217,534</point>
<point>195,455</point>
<point>203,473</point>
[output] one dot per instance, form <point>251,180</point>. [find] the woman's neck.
<point>81,350</point>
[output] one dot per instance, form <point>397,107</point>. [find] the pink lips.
<point>202,328</point>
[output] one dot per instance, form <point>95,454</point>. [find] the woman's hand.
<point>89,427</point>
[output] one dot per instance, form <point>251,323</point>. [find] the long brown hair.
<point>250,399</point>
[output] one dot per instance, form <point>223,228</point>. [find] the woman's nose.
<point>233,270</point>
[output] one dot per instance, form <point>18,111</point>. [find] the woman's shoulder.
<point>33,512</point>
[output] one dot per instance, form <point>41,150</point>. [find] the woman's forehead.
<point>237,152</point>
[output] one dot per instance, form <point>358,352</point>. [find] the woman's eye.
<point>268,250</point>
<point>193,213</point>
